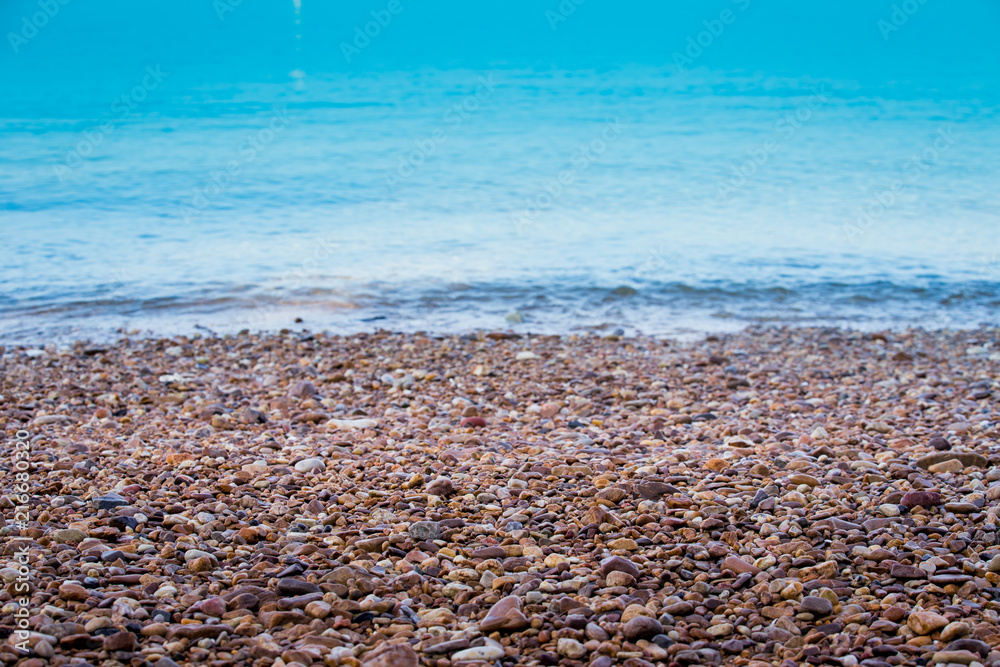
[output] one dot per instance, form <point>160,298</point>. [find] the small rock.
<point>624,544</point>
<point>202,564</point>
<point>801,478</point>
<point>954,658</point>
<point>213,606</point>
<point>816,606</point>
<point>679,609</point>
<point>110,501</point>
<point>619,564</point>
<point>739,566</point>
<point>654,490</point>
<point>888,510</point>
<point>634,610</point>
<point>395,655</point>
<point>351,424</point>
<point>955,630</point>
<point>926,622</point>
<point>939,443</point>
<point>721,630</point>
<point>425,530</point>
<point>449,646</point>
<point>570,648</point>
<point>950,466</point>
<point>994,564</point>
<point>549,410</point>
<point>641,627</point>
<point>293,587</point>
<point>968,644</point>
<point>716,465</point>
<point>485,653</point>
<point>758,498</point>
<point>120,641</point>
<point>68,536</point>
<point>193,554</point>
<point>925,499</point>
<point>966,459</point>
<point>73,592</point>
<point>251,416</point>
<point>302,389</point>
<point>504,615</point>
<point>311,465</point>
<point>441,487</point>
<point>318,609</point>
<point>620,579</point>
<point>900,571</point>
<point>961,508</point>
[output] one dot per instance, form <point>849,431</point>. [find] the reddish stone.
<point>120,641</point>
<point>505,615</point>
<point>925,499</point>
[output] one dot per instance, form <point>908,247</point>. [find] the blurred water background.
<point>528,165</point>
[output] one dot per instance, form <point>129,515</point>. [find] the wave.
<point>668,308</point>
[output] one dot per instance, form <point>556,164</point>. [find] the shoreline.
<point>777,494</point>
<point>680,335</point>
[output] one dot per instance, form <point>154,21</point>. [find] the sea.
<point>552,167</point>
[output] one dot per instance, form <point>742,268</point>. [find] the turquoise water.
<point>241,165</point>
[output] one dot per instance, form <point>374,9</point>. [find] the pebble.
<point>570,648</point>
<point>619,564</point>
<point>425,530</point>
<point>739,566</point>
<point>194,554</point>
<point>925,499</point>
<point>817,606</point>
<point>109,501</point>
<point>398,655</point>
<point>774,497</point>
<point>504,615</point>
<point>954,657</point>
<point>963,459</point>
<point>955,630</point>
<point>311,465</point>
<point>68,536</point>
<point>889,510</point>
<point>485,653</point>
<point>302,389</point>
<point>926,622</point>
<point>641,627</point>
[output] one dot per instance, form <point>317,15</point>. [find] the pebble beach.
<point>764,498</point>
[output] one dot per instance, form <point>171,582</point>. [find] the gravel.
<point>772,497</point>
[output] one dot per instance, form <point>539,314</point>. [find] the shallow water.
<point>448,199</point>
